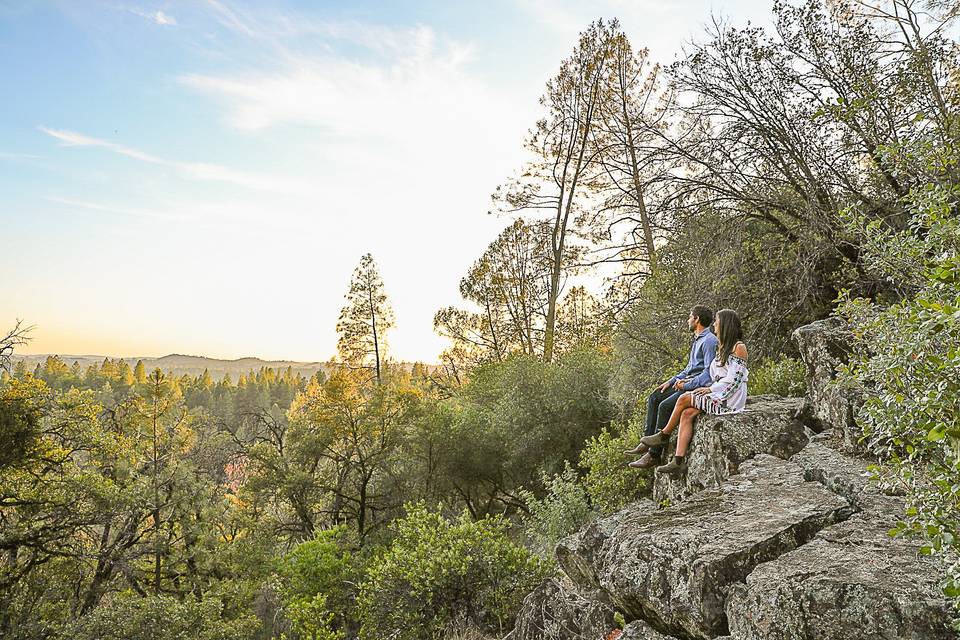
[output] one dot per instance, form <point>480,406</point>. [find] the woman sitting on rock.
<point>727,394</point>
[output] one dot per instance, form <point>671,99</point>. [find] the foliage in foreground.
<point>781,377</point>
<point>439,573</point>
<point>131,617</point>
<point>316,579</point>
<point>564,509</point>
<point>907,365</point>
<point>610,484</point>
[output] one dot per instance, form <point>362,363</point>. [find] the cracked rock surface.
<point>640,630</point>
<point>555,611</point>
<point>673,567</point>
<point>851,581</point>
<point>824,345</point>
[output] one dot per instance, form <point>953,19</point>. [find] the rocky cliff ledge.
<point>774,532</point>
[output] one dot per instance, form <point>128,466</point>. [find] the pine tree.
<point>124,373</point>
<point>365,320</point>
<point>108,369</point>
<point>563,173</point>
<point>140,372</point>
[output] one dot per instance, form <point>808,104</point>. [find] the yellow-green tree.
<point>350,434</point>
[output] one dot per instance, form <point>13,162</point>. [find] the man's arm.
<point>703,379</point>
<point>683,374</point>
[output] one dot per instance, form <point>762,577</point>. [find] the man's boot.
<point>638,450</point>
<point>646,462</point>
<point>656,440</point>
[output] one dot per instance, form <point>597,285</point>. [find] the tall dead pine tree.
<point>564,166</point>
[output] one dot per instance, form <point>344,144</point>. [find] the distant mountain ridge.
<point>181,364</point>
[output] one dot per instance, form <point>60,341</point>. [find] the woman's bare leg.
<point>686,429</point>
<point>683,402</point>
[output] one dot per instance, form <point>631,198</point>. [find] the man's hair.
<point>704,314</point>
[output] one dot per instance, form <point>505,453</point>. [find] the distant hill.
<point>190,365</point>
<point>195,365</point>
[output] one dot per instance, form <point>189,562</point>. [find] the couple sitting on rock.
<point>714,381</point>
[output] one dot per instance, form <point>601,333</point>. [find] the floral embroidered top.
<point>729,388</point>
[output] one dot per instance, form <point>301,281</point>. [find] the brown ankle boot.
<point>656,440</point>
<point>646,462</point>
<point>638,450</point>
<point>675,467</point>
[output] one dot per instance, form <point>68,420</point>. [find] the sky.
<point>202,177</point>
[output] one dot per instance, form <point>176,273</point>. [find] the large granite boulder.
<point>823,461</point>
<point>556,611</point>
<point>673,567</point>
<point>752,546</point>
<point>576,553</point>
<point>720,444</point>
<point>824,345</point>
<point>851,581</point>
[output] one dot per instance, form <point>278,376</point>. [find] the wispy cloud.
<point>192,170</point>
<point>114,210</point>
<point>159,17</point>
<point>231,19</point>
<point>409,84</point>
<point>219,215</point>
<point>74,139</point>
<point>6,155</point>
<point>163,19</point>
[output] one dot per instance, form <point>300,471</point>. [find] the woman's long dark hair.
<point>731,332</point>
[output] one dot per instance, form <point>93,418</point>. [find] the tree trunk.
<point>376,340</point>
<point>635,175</point>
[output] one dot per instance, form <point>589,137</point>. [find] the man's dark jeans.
<point>659,407</point>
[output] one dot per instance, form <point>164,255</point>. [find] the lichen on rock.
<point>721,444</point>
<point>672,567</point>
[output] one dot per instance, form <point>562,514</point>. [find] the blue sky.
<point>203,176</point>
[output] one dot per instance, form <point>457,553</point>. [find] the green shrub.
<point>512,422</point>
<point>311,619</point>
<point>782,377</point>
<point>316,580</point>
<point>21,412</point>
<point>609,482</point>
<point>131,617</point>
<point>906,363</point>
<point>437,573</point>
<point>564,509</point>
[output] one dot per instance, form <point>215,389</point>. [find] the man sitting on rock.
<point>696,374</point>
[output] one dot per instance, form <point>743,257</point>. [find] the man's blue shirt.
<point>702,352</point>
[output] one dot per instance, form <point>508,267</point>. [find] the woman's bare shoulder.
<point>740,351</point>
